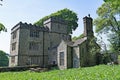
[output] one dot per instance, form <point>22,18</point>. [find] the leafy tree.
<point>3,59</point>
<point>108,21</point>
<point>79,37</point>
<point>0,3</point>
<point>65,14</point>
<point>93,46</point>
<point>2,27</point>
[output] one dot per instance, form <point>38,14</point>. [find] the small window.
<point>61,58</point>
<point>34,34</point>
<point>14,34</point>
<point>13,46</point>
<point>33,46</point>
<point>58,26</point>
<point>13,59</point>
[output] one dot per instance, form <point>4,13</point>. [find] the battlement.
<point>56,20</point>
<point>28,26</point>
<point>56,25</point>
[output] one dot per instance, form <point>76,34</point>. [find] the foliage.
<point>108,21</point>
<point>108,14</point>
<point>65,14</point>
<point>3,59</point>
<point>2,27</point>
<point>115,43</point>
<point>94,47</point>
<point>106,58</point>
<point>79,37</point>
<point>101,72</point>
<point>0,3</point>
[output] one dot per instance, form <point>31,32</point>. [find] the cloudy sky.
<point>14,11</point>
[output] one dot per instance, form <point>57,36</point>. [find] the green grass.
<point>101,72</point>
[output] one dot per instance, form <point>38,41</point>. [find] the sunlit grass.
<point>101,72</point>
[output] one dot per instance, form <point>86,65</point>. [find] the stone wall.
<point>50,36</point>
<point>13,60</point>
<point>56,25</point>
<point>76,57</point>
<point>17,68</point>
<point>62,48</point>
<point>69,57</point>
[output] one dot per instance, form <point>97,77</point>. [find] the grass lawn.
<point>101,72</point>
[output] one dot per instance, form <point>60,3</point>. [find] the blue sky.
<point>30,11</point>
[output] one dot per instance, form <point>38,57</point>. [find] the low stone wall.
<point>17,68</point>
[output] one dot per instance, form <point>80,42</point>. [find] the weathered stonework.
<point>51,45</point>
<point>44,40</point>
<point>77,54</point>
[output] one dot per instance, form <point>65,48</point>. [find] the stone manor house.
<point>50,45</point>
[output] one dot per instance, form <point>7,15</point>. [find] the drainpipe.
<point>43,50</point>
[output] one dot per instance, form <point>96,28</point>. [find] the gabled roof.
<point>69,43</point>
<point>79,41</point>
<point>76,43</point>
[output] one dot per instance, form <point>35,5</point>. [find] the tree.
<point>0,3</point>
<point>79,37</point>
<point>65,14</point>
<point>2,28</point>
<point>3,59</point>
<point>108,21</point>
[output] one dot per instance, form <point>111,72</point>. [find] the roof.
<point>69,43</point>
<point>79,41</point>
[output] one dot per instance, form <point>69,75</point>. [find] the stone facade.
<point>77,54</point>
<point>35,45</point>
<point>64,61</point>
<point>51,45</point>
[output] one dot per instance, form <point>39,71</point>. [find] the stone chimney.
<point>88,26</point>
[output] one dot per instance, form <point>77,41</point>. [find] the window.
<point>13,46</point>
<point>13,59</point>
<point>61,58</point>
<point>58,26</point>
<point>14,34</point>
<point>33,46</point>
<point>34,34</point>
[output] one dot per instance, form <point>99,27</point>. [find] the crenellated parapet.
<point>56,20</point>
<point>25,25</point>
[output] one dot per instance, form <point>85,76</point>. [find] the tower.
<point>56,25</point>
<point>57,32</point>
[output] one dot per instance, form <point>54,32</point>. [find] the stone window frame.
<point>14,34</point>
<point>62,55</point>
<point>13,46</point>
<point>12,59</point>
<point>34,34</point>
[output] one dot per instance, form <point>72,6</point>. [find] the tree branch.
<point>116,22</point>
<point>113,26</point>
